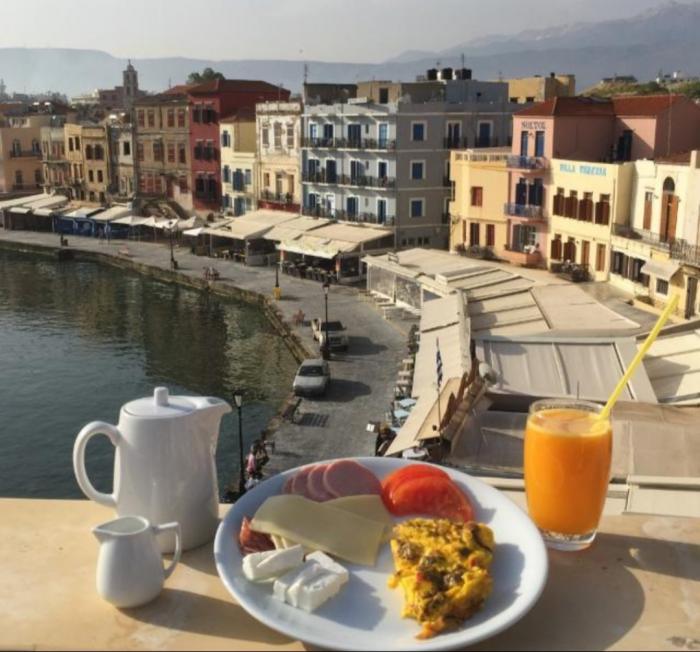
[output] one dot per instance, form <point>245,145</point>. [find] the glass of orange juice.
<point>568,452</point>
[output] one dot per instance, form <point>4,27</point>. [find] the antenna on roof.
<point>462,58</point>
<point>306,72</point>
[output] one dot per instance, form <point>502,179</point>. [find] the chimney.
<point>432,74</point>
<point>446,74</point>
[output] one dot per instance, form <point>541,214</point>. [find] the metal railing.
<point>277,197</point>
<point>685,252</point>
<point>366,181</point>
<point>642,235</point>
<point>527,162</point>
<point>523,210</point>
<point>457,142</point>
<point>25,153</point>
<point>340,214</point>
<point>349,143</point>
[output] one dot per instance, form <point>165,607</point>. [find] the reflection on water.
<point>78,340</point>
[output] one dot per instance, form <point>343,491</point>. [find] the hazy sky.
<point>331,30</point>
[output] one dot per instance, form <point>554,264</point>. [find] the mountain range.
<point>663,38</point>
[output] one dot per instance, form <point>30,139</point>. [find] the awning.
<point>660,269</point>
<point>20,210</point>
<point>423,422</point>
<point>237,230</point>
<point>48,201</point>
<point>195,232</point>
<point>131,220</point>
<point>81,213</point>
<point>111,214</point>
<point>308,245</point>
<point>19,201</point>
<point>295,228</point>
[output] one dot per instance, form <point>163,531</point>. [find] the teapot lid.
<point>160,406</point>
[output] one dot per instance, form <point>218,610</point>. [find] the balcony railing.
<point>456,142</point>
<point>25,153</point>
<point>340,214</point>
<point>360,181</point>
<point>642,235</point>
<point>277,197</point>
<point>487,142</point>
<point>681,250</point>
<point>527,162</point>
<point>523,210</point>
<point>349,143</point>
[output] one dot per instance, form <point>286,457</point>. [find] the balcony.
<point>25,153</point>
<point>359,181</point>
<point>285,198</point>
<point>687,253</point>
<point>647,237</point>
<point>455,142</point>
<point>531,163</point>
<point>382,144</point>
<point>487,142</point>
<point>523,258</point>
<point>340,214</point>
<point>524,210</point>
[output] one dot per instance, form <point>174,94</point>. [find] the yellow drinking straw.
<point>605,414</point>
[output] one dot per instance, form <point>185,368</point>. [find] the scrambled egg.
<point>443,568</point>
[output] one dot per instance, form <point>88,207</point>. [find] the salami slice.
<point>251,541</point>
<point>350,478</point>
<point>316,488</point>
<point>300,485</point>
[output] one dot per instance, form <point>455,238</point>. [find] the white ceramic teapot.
<point>164,465</point>
<point>129,567</point>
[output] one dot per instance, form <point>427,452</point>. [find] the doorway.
<point>691,297</point>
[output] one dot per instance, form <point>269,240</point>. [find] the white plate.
<point>366,613</point>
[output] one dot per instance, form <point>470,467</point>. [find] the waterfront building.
<point>161,133</point>
<point>87,153</point>
<point>480,181</point>
<point>55,172</point>
<point>547,174</point>
<point>121,157</point>
<point>278,127</point>
<point>238,163</point>
<point>208,103</point>
<point>526,90</point>
<point>656,253</point>
<point>21,166</point>
<point>383,156</point>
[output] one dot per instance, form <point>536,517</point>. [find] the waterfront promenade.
<point>363,378</point>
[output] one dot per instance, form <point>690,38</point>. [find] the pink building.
<point>586,129</point>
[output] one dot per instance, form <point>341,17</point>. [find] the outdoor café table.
<point>407,403</point>
<point>637,588</point>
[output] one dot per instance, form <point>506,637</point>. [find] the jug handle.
<point>159,529</point>
<point>89,431</point>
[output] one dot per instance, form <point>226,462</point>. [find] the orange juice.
<point>568,452</point>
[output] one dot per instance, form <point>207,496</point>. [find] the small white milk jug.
<point>129,566</point>
<point>164,465</point>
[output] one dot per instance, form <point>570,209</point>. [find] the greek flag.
<point>438,363</point>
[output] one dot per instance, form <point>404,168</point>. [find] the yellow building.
<point>587,199</point>
<point>279,155</point>
<point>87,153</point>
<point>239,163</point>
<point>480,191</point>
<point>524,90</point>
<point>656,254</point>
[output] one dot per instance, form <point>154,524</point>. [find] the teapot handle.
<point>159,529</point>
<point>89,431</point>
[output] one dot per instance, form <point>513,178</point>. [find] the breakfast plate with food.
<point>381,553</point>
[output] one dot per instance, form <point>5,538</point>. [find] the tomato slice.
<point>410,472</point>
<point>431,496</point>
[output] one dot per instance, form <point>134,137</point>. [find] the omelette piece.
<point>443,569</point>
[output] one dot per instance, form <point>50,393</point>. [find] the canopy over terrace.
<point>295,228</point>
<point>32,215</point>
<point>77,221</point>
<point>342,243</point>
<point>111,214</point>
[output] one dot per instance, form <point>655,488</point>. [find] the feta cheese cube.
<point>261,566</point>
<point>329,564</point>
<point>283,585</point>
<point>313,592</point>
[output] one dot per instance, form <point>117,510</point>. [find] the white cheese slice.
<point>311,593</point>
<point>261,566</point>
<point>329,565</point>
<point>282,585</point>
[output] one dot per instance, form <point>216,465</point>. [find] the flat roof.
<point>673,366</point>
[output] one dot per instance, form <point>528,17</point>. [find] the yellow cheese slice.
<point>321,527</point>
<point>371,507</point>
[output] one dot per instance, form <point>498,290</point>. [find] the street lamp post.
<point>173,262</point>
<point>238,400</point>
<point>326,342</point>
<point>277,293</point>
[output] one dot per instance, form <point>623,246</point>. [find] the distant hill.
<point>665,38</point>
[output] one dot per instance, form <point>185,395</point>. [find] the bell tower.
<point>131,85</point>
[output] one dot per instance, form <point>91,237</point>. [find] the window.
<point>77,143</point>
<point>661,286</point>
<point>384,96</point>
<point>197,117</point>
<point>290,136</point>
<point>100,176</point>
<point>151,118</point>
<point>416,207</point>
<point>157,151</point>
<point>182,153</point>
<point>477,193</point>
<point>313,131</point>
<point>181,121</point>
<point>70,144</point>
<point>139,151</point>
<point>490,235</point>
<point>171,118</point>
<point>418,131</point>
<point>226,175</point>
<point>277,134</point>
<point>559,203</point>
<point>266,179</point>
<point>418,170</point>
<point>182,184</point>
<point>199,150</point>
<point>524,137</point>
<point>126,148</point>
<point>225,139</point>
<point>381,211</point>
<point>88,153</point>
<point>91,176</point>
<point>37,177</point>
<point>19,179</point>
<point>474,229</point>
<point>171,152</point>
<point>648,203</point>
<point>539,143</point>
<point>248,177</point>
<point>556,249</point>
<point>140,118</point>
<point>351,205</point>
<point>602,210</point>
<point>266,136</point>
<point>99,153</point>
